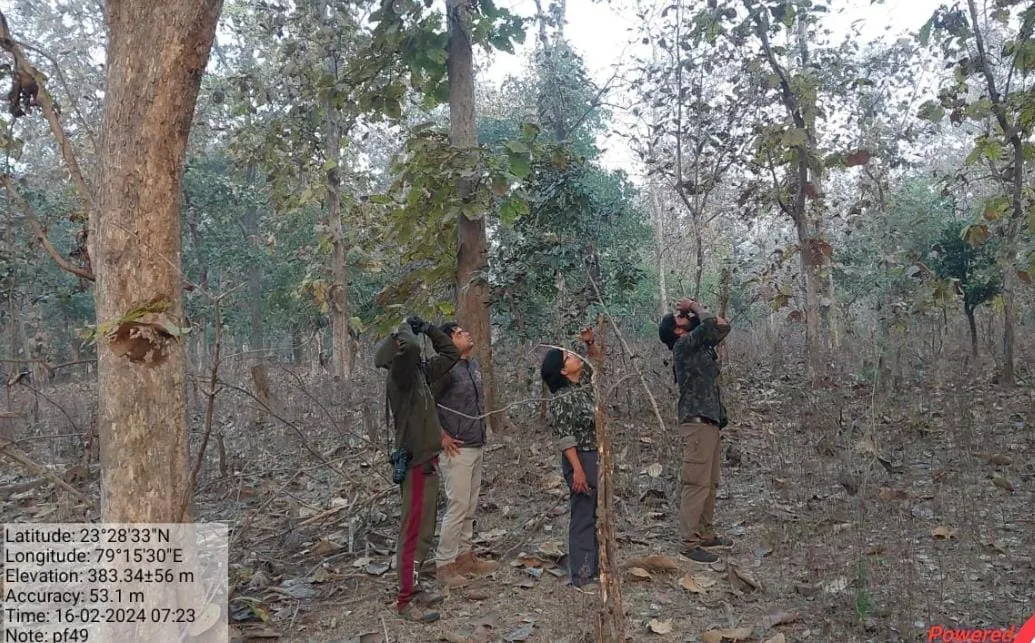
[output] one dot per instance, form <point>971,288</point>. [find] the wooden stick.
<point>611,620</point>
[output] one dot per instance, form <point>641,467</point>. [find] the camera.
<point>400,459</point>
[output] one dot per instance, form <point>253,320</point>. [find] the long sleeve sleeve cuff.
<point>567,442</point>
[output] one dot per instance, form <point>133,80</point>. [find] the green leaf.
<point>931,111</point>
<point>330,165</point>
<point>925,32</point>
<point>520,165</point>
<point>794,137</point>
<point>1024,56</point>
<point>445,308</point>
<point>512,209</point>
<point>393,108</point>
<point>517,147</point>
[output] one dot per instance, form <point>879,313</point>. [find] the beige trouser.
<point>461,478</point>
<point>700,479</point>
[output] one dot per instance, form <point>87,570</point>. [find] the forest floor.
<point>861,512</point>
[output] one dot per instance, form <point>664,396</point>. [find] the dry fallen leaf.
<point>654,563</point>
<point>737,633</point>
<point>778,618</point>
<point>1000,460</point>
<point>711,636</point>
<point>1002,483</point>
<point>660,627</point>
<point>942,531</point>
<point>639,573</point>
<point>779,638</point>
<point>696,585</point>
<point>209,617</point>
<point>887,493</point>
<point>654,470</point>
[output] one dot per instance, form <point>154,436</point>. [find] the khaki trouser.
<point>461,479</point>
<point>700,479</point>
<point>419,506</point>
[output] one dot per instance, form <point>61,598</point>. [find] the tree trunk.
<point>341,353</point>
<point>659,249</point>
<point>255,305</point>
<point>156,56</point>
<point>699,251</point>
<point>471,262</point>
<point>972,324</point>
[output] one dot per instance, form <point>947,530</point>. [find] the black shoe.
<point>699,555</point>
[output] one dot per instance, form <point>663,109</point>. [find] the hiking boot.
<point>428,597</point>
<point>468,563</point>
<point>450,577</point>
<point>413,612</point>
<point>715,542</point>
<point>699,555</point>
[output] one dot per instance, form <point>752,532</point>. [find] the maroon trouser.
<point>420,504</point>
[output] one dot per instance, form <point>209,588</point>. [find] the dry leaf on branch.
<point>660,627</point>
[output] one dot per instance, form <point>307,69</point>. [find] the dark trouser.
<point>419,506</point>
<point>701,456</point>
<point>583,554</point>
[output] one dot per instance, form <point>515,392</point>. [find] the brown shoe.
<point>449,576</point>
<point>468,563</point>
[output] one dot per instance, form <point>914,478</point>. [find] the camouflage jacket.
<point>572,414</point>
<point>697,372</point>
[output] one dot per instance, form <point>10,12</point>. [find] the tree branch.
<point>21,62</point>
<point>40,232</point>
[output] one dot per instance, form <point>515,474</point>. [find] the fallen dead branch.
<point>8,449</point>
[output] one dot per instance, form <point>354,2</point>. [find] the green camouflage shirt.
<point>571,412</point>
<point>697,371</point>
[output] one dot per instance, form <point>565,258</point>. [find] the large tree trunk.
<point>156,56</point>
<point>471,262</point>
<point>341,353</point>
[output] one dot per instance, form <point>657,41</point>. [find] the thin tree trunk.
<point>471,262</point>
<point>255,305</point>
<point>699,251</point>
<point>972,324</point>
<point>659,249</point>
<point>156,56</point>
<point>341,353</point>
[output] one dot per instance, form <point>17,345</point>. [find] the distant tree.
<point>973,267</point>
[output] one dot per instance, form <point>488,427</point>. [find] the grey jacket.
<point>460,390</point>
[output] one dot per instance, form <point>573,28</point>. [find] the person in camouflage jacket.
<point>572,412</point>
<point>693,334</point>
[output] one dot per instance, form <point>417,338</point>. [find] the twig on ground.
<point>7,448</point>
